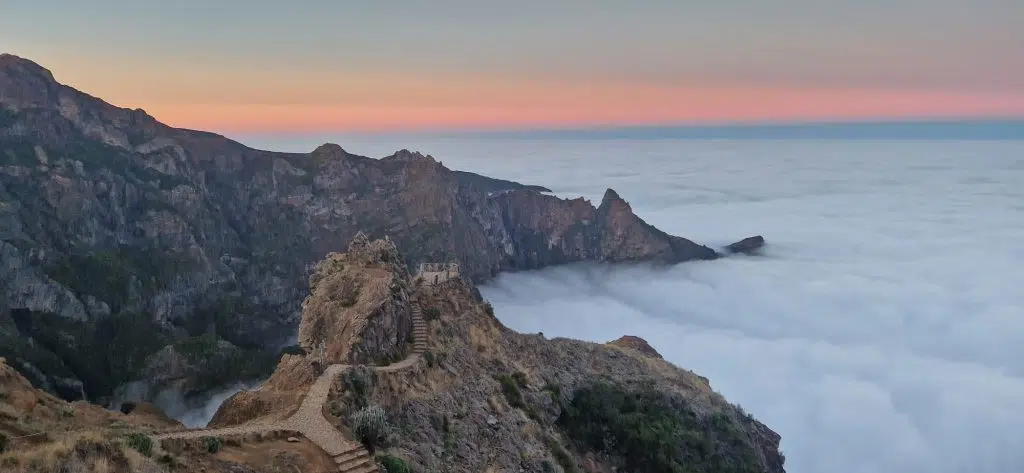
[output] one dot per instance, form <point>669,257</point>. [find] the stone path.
<point>349,455</point>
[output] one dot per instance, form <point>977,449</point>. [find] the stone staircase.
<point>356,460</point>
<point>419,331</point>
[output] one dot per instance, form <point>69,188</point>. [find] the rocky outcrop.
<point>749,246</point>
<point>636,343</point>
<point>490,399</point>
<point>545,230</point>
<point>112,219</point>
<point>358,310</point>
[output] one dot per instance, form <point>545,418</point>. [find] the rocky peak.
<point>358,309</point>
<point>636,343</point>
<point>611,200</point>
<point>329,149</point>
<point>16,65</point>
<point>411,156</point>
<point>24,83</point>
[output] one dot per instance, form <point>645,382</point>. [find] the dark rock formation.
<point>636,343</point>
<point>146,234</point>
<point>750,246</point>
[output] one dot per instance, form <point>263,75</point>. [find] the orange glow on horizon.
<point>245,101</point>
<point>620,106</point>
<point>332,99</point>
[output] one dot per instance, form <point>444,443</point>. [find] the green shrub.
<point>7,117</point>
<point>212,444</point>
<point>650,430</point>
<point>429,356</point>
<point>370,425</point>
<point>167,459</point>
<point>392,464</point>
<point>141,443</point>
<point>431,313</point>
<point>555,391</point>
<point>3,442</point>
<point>359,381</point>
<point>292,350</point>
<point>510,387</point>
<point>561,456</point>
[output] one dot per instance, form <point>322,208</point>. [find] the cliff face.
<point>120,236</point>
<point>486,398</point>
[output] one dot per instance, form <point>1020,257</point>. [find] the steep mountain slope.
<point>470,395</point>
<point>127,246</point>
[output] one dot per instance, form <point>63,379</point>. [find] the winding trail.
<point>348,454</point>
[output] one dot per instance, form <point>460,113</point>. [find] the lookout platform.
<point>437,273</point>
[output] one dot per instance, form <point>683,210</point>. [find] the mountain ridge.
<point>121,234</point>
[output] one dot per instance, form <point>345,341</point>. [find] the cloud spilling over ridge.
<point>843,403</point>
<point>882,331</point>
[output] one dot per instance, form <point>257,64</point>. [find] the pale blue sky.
<point>955,46</point>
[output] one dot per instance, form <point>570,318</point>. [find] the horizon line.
<point>1012,121</point>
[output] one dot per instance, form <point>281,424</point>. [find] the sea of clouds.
<point>881,332</point>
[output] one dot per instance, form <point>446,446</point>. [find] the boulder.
<point>748,246</point>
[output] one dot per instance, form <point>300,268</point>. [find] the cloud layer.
<point>883,331</point>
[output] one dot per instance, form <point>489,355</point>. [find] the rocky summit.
<point>138,259</point>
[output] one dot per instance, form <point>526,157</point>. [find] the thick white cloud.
<point>883,330</point>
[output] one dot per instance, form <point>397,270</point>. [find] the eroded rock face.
<point>358,310</point>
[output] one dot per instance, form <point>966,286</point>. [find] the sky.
<point>322,66</point>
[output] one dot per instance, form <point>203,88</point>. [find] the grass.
<point>83,451</point>
<point>141,443</point>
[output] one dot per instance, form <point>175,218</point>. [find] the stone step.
<point>371,468</point>
<point>350,455</point>
<point>355,463</point>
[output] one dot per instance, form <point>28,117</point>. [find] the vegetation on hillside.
<point>652,431</point>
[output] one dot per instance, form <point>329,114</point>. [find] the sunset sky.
<point>320,66</point>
